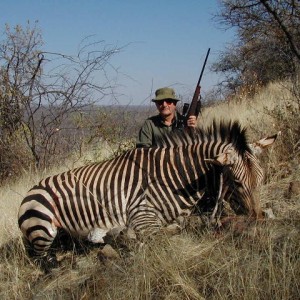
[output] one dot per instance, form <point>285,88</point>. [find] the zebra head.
<point>243,174</point>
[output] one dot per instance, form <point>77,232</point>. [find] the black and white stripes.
<point>144,188</point>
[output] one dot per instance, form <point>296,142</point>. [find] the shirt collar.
<point>174,121</point>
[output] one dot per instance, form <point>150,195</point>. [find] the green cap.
<point>165,93</point>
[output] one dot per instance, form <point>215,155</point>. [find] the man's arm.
<point>145,136</point>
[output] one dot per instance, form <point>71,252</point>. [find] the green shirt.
<point>153,129</point>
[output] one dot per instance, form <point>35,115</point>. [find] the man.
<point>166,121</point>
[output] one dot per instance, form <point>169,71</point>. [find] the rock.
<point>108,252</point>
<point>268,213</point>
<point>294,189</point>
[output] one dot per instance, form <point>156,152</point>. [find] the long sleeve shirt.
<point>153,129</point>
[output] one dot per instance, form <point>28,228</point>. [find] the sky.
<point>163,42</point>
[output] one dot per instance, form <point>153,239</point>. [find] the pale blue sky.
<point>166,40</point>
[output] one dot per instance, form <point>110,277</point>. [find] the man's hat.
<point>165,93</point>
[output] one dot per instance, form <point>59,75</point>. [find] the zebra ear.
<point>259,146</point>
<point>226,158</point>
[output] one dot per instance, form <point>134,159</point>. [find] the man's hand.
<point>192,121</point>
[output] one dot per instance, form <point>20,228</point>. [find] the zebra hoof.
<point>172,229</point>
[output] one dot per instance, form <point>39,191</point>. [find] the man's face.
<point>166,107</point>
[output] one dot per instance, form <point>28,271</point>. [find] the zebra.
<point>146,188</point>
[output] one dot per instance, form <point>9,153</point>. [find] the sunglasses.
<point>168,101</point>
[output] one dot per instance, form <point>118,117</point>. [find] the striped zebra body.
<point>107,195</point>
<point>143,188</point>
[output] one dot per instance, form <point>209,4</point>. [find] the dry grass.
<point>259,114</point>
<point>260,262</point>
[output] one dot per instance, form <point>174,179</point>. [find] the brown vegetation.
<point>46,119</point>
<point>243,261</point>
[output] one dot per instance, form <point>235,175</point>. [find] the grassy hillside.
<point>245,261</point>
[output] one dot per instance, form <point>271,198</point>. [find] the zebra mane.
<point>226,131</point>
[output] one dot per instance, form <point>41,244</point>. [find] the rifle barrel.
<point>203,67</point>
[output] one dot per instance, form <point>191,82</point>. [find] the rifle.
<point>194,108</point>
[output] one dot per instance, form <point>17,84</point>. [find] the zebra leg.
<point>144,224</point>
<point>101,236</point>
<point>39,225</point>
<point>97,235</point>
<point>173,229</point>
<point>39,237</point>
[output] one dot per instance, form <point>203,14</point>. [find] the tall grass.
<point>261,261</point>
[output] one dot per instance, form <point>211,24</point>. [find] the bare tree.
<point>40,91</point>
